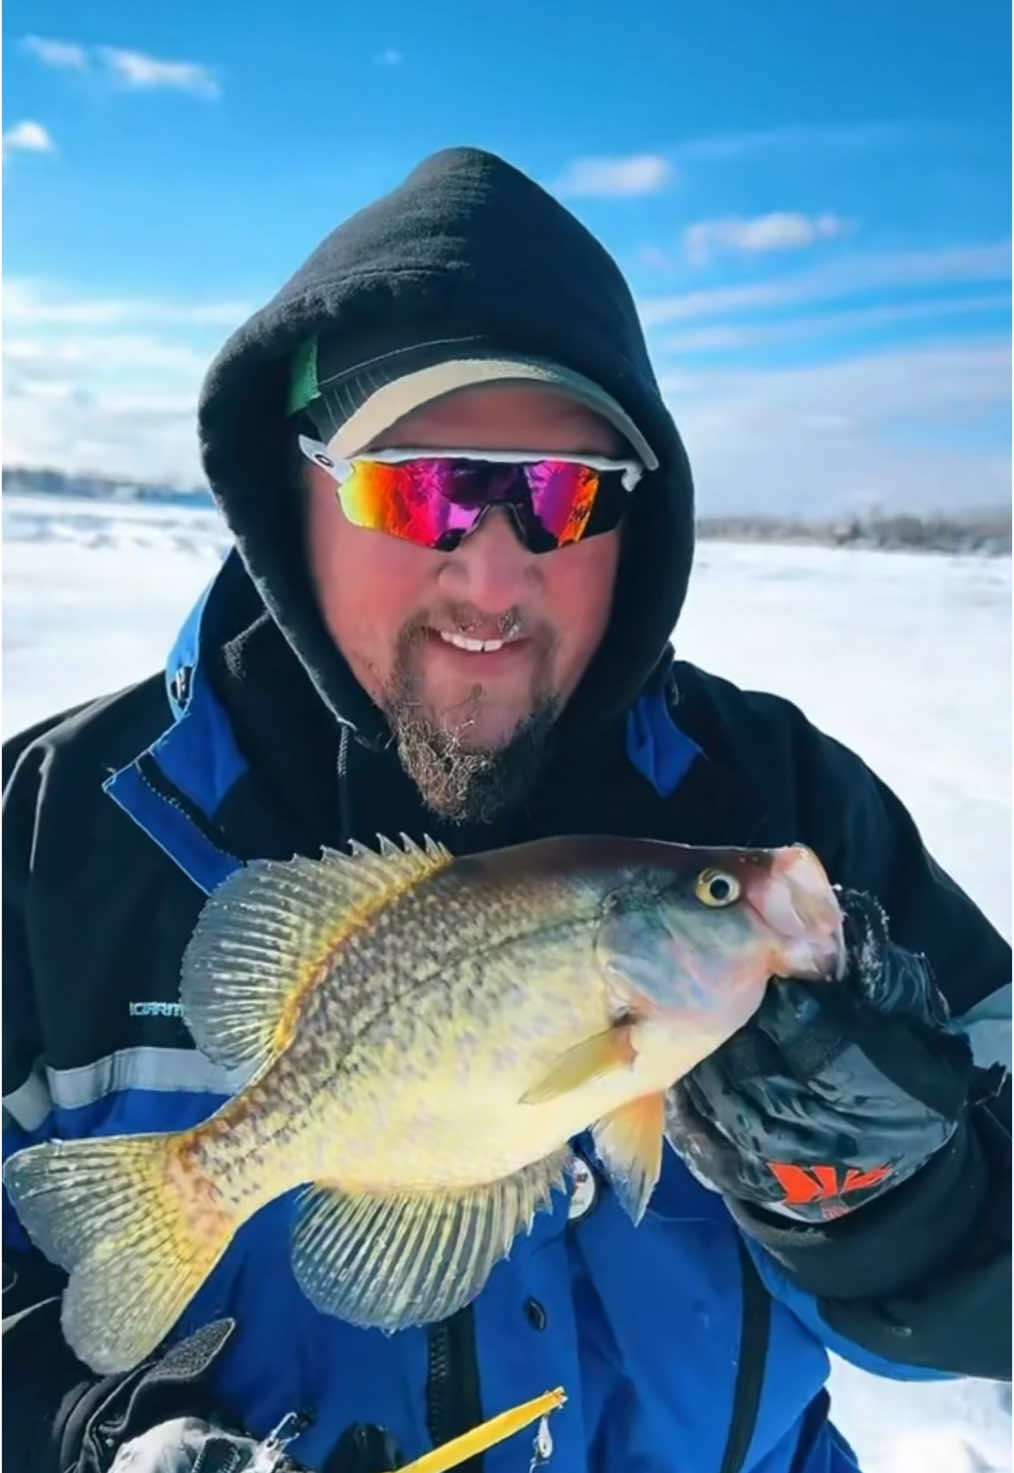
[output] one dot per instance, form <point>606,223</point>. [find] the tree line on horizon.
<point>979,530</point>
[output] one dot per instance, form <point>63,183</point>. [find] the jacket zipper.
<point>755,1335</point>
<point>452,1382</point>
<point>164,788</point>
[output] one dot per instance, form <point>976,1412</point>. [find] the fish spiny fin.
<point>387,1260</point>
<point>629,1142</point>
<point>590,1059</point>
<point>109,1211</point>
<point>264,935</point>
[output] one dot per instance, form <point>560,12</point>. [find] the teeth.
<point>475,646</point>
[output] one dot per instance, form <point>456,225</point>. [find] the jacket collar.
<point>253,763</point>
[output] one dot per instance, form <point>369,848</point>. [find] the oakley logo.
<point>822,1183</point>
<point>156,1009</point>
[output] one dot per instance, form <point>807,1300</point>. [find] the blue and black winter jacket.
<point>695,1341</point>
<point>120,818</point>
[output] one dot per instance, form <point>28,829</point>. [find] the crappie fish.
<point>424,1036</point>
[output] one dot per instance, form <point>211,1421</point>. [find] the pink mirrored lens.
<point>435,502</point>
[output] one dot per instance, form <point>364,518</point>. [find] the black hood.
<point>467,244</point>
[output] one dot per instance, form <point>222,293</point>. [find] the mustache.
<point>406,693</point>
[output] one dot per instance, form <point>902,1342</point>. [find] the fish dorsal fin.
<point>629,1143</point>
<point>387,1260</point>
<point>264,935</point>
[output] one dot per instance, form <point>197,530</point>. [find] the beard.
<point>458,781</point>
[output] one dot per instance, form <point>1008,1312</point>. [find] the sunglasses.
<point>436,499</point>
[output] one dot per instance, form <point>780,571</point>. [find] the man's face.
<point>390,605</point>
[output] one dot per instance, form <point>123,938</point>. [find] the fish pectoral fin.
<point>629,1142</point>
<point>387,1260</point>
<point>263,936</point>
<point>589,1059</point>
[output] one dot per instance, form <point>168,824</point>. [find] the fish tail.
<point>137,1237</point>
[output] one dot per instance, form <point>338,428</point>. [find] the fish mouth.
<point>799,904</point>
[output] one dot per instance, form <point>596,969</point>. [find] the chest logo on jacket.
<point>147,1009</point>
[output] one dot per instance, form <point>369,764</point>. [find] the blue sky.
<point>811,203</point>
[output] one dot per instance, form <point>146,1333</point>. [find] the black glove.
<point>834,1092</point>
<point>161,1417</point>
<point>156,1418</point>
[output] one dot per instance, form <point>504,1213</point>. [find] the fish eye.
<point>717,888</point>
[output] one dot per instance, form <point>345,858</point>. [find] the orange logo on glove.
<point>804,1184</point>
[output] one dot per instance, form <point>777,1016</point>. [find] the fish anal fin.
<point>593,1057</point>
<point>266,934</point>
<point>629,1143</point>
<point>387,1260</point>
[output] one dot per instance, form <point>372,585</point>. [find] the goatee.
<point>457,781</point>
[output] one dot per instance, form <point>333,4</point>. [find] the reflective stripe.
<point>30,1103</point>
<point>143,1068</point>
<point>162,1069</point>
<point>988,1026</point>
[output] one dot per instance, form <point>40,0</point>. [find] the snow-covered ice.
<point>93,595</point>
<point>904,657</point>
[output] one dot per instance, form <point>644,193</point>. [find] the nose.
<point>491,567</point>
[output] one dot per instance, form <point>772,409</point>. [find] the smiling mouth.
<point>474,646</point>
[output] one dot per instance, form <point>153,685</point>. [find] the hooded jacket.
<point>695,1342</point>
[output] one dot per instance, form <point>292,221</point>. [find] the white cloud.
<point>390,56</point>
<point>132,69</point>
<point>148,437</point>
<point>637,174</point>
<point>879,384</point>
<point>910,428</point>
<point>27,137</point>
<point>36,303</point>
<point>107,384</point>
<point>101,352</point>
<point>846,137</point>
<point>736,335</point>
<point>781,230</point>
<point>834,279</point>
<point>136,70</point>
<point>56,53</point>
<point>654,258</point>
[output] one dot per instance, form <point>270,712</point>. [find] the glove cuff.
<point>44,1385</point>
<point>892,1242</point>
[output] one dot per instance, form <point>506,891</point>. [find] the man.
<point>464,525</point>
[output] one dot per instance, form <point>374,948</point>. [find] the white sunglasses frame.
<point>317,452</point>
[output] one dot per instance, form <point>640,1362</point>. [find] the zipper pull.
<point>269,1454</point>
<point>542,1447</point>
